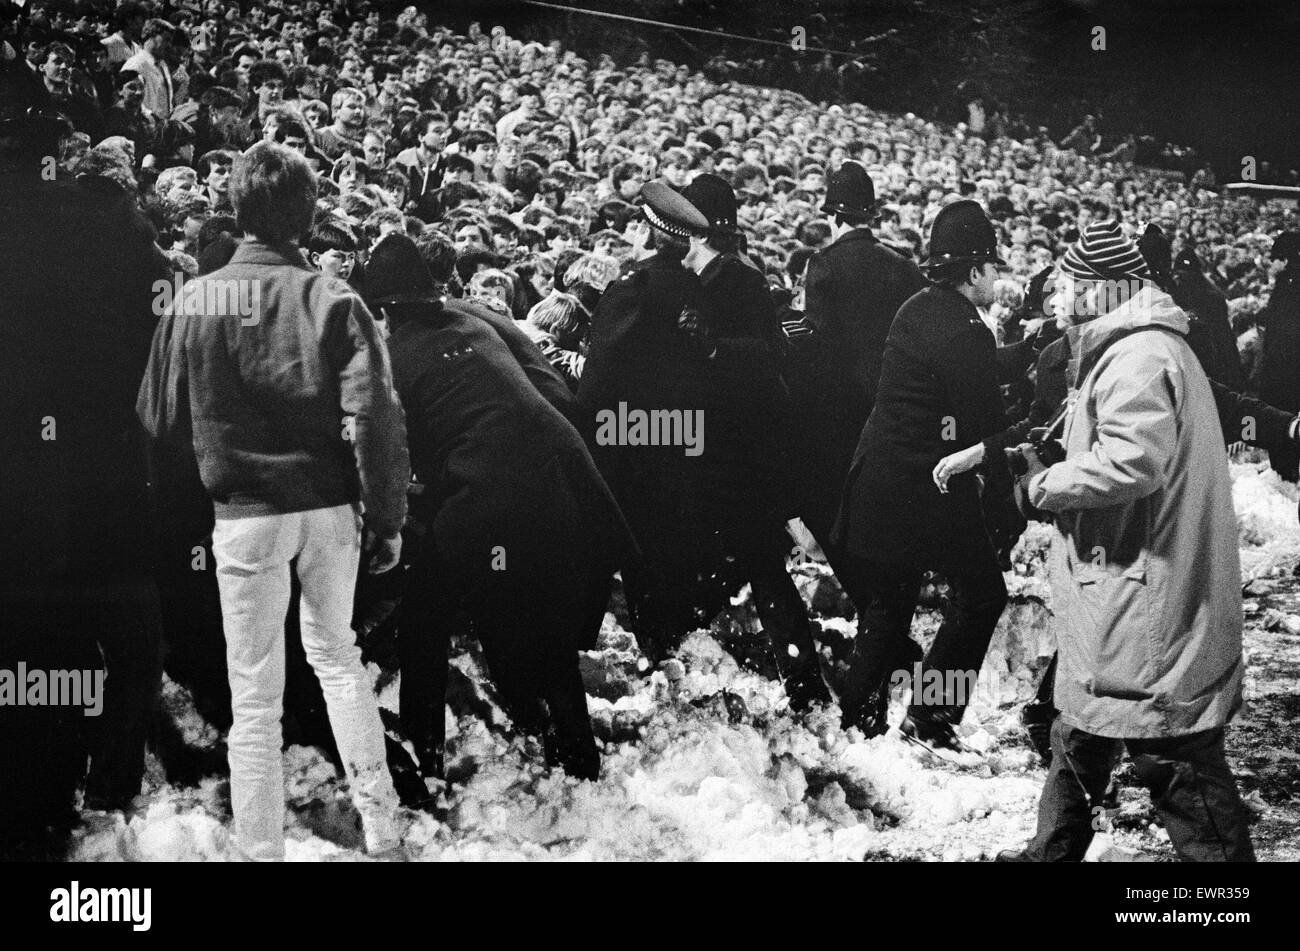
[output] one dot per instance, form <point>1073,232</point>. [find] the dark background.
<point>1218,75</point>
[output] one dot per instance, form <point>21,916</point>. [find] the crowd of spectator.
<point>524,161</point>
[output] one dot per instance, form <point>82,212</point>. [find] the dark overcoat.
<point>506,475</point>
<point>854,288</point>
<point>1280,379</point>
<point>938,394</point>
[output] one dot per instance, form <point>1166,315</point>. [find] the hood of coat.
<point>1149,308</point>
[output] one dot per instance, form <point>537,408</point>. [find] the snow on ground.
<point>703,760</point>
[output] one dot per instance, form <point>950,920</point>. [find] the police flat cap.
<point>672,214</point>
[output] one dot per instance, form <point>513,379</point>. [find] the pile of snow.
<point>1266,516</point>
<point>702,758</point>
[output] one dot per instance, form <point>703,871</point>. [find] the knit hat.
<point>1103,253</point>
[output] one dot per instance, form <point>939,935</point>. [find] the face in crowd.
<point>218,180</point>
<point>335,263</point>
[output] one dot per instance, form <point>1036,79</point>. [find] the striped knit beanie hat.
<point>1103,253</point>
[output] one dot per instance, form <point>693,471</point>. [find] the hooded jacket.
<point>1146,578</point>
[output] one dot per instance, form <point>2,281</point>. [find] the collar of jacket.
<point>1150,307</point>
<point>713,269</point>
<point>854,234</point>
<point>253,251</point>
<point>969,310</point>
<point>657,262</point>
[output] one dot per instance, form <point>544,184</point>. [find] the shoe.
<point>1012,855</point>
<point>806,687</point>
<point>872,719</point>
<point>933,730</point>
<point>394,853</point>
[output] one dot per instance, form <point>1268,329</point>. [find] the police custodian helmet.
<point>962,234</point>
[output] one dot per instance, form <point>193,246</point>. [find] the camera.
<point>1049,451</point>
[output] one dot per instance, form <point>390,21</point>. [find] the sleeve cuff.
<point>1035,489</point>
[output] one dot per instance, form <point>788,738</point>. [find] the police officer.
<point>693,328</point>
<point>854,288</point>
<point>637,358</point>
<point>743,479</point>
<point>522,533</point>
<point>938,391</point>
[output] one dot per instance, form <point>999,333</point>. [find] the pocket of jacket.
<point>1094,572</point>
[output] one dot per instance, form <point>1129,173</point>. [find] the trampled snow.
<point>702,759</point>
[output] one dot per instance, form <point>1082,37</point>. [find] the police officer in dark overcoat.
<point>522,532</point>
<point>693,328</point>
<point>854,288</point>
<point>938,392</point>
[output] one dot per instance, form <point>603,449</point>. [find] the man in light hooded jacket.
<point>1146,578</point>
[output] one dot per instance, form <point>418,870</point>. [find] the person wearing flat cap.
<point>521,532</point>
<point>693,328</point>
<point>855,286</point>
<point>938,391</point>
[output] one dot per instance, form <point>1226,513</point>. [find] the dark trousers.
<point>44,749</point>
<point>1190,783</point>
<point>130,639</point>
<point>672,595</point>
<point>886,598</point>
<point>530,629</point>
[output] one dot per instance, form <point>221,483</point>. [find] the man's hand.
<point>1033,464</point>
<point>384,553</point>
<point>956,464</point>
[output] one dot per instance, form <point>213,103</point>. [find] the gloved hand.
<point>691,322</point>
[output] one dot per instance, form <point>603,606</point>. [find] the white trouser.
<point>253,557</point>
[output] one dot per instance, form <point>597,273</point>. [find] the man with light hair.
<point>557,324</point>
<point>300,442</point>
<point>349,110</point>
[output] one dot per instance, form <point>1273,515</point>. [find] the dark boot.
<point>934,727</point>
<point>568,737</point>
<point>806,687</point>
<point>871,716</point>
